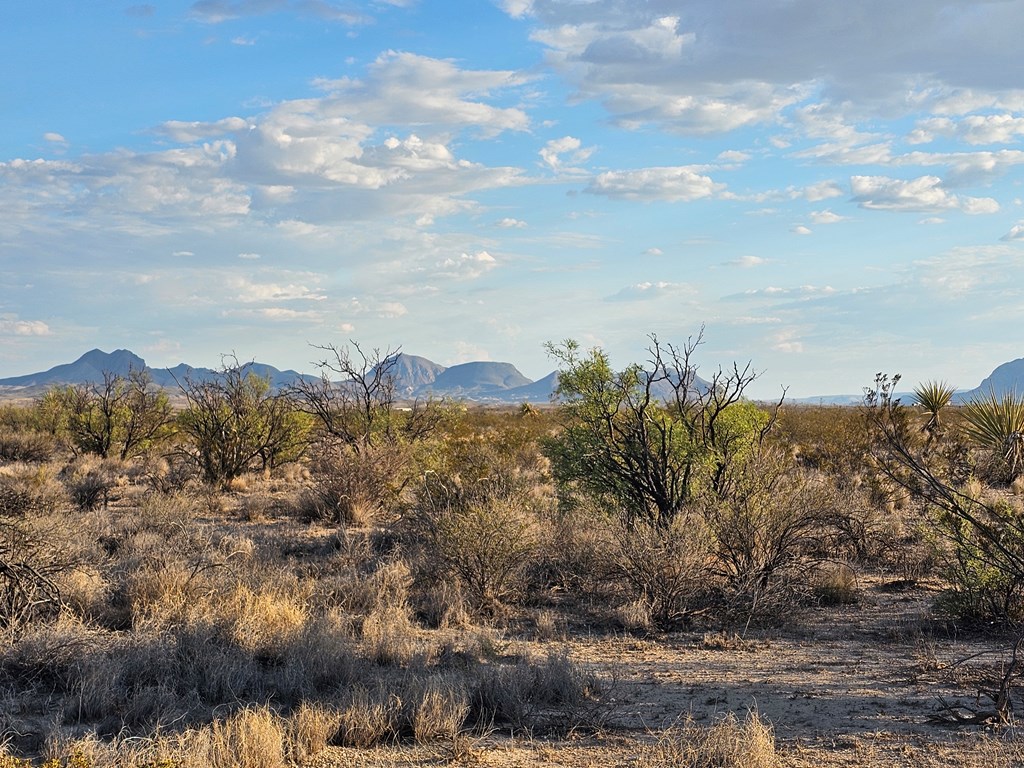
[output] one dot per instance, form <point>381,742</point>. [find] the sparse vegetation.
<point>321,577</point>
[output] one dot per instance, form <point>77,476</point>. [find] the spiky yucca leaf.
<point>933,396</point>
<point>997,423</point>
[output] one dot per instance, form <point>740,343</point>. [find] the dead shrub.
<point>354,487</point>
<point>729,743</point>
<point>35,447</point>
<point>668,568</point>
<point>91,480</point>
<point>554,695</point>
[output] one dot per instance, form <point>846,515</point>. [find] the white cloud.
<point>733,156</point>
<point>408,89</point>
<point>276,314</point>
<point>651,290</point>
<point>815,193</point>
<point>654,252</point>
<point>517,9</point>
<point>249,291</point>
<point>249,256</point>
<point>54,138</point>
<point>552,152</point>
<point>800,292</point>
<point>966,168</point>
<point>466,266</point>
<point>187,132</point>
<point>510,223</point>
<point>12,325</point>
<point>800,229</point>
<point>788,341</point>
<point>243,41</point>
<point>674,184</point>
<point>1016,232</point>
<point>826,217</point>
<point>972,129</point>
<point>709,67</point>
<point>182,253</point>
<point>923,194</point>
<point>747,262</point>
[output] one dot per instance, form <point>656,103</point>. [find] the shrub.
<point>26,446</point>
<point>478,530</point>
<point>668,569</point>
<point>554,695</point>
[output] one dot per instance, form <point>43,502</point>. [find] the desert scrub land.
<point>655,571</point>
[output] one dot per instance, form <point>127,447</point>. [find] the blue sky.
<point>832,188</point>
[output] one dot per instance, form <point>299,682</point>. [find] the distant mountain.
<point>90,368</point>
<point>414,374</point>
<point>1006,378</point>
<point>480,380</point>
<point>540,391</point>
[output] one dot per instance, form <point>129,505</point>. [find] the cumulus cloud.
<point>800,229</point>
<point>54,138</point>
<point>409,89</point>
<point>826,217</point>
<point>466,266</point>
<point>923,194</point>
<point>711,69</point>
<point>674,184</point>
<point>510,223</point>
<point>972,129</point>
<point>552,152</point>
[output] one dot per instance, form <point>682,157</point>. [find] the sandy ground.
<point>856,685</point>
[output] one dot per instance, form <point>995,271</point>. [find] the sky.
<point>829,188</point>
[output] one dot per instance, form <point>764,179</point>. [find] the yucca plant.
<point>997,423</point>
<point>933,397</point>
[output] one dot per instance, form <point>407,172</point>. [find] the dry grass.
<point>728,743</point>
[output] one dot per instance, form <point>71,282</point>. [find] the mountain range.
<point>415,377</point>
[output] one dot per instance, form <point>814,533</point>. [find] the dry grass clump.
<point>728,743</point>
<point>552,695</point>
<point>311,727</point>
<point>251,738</point>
